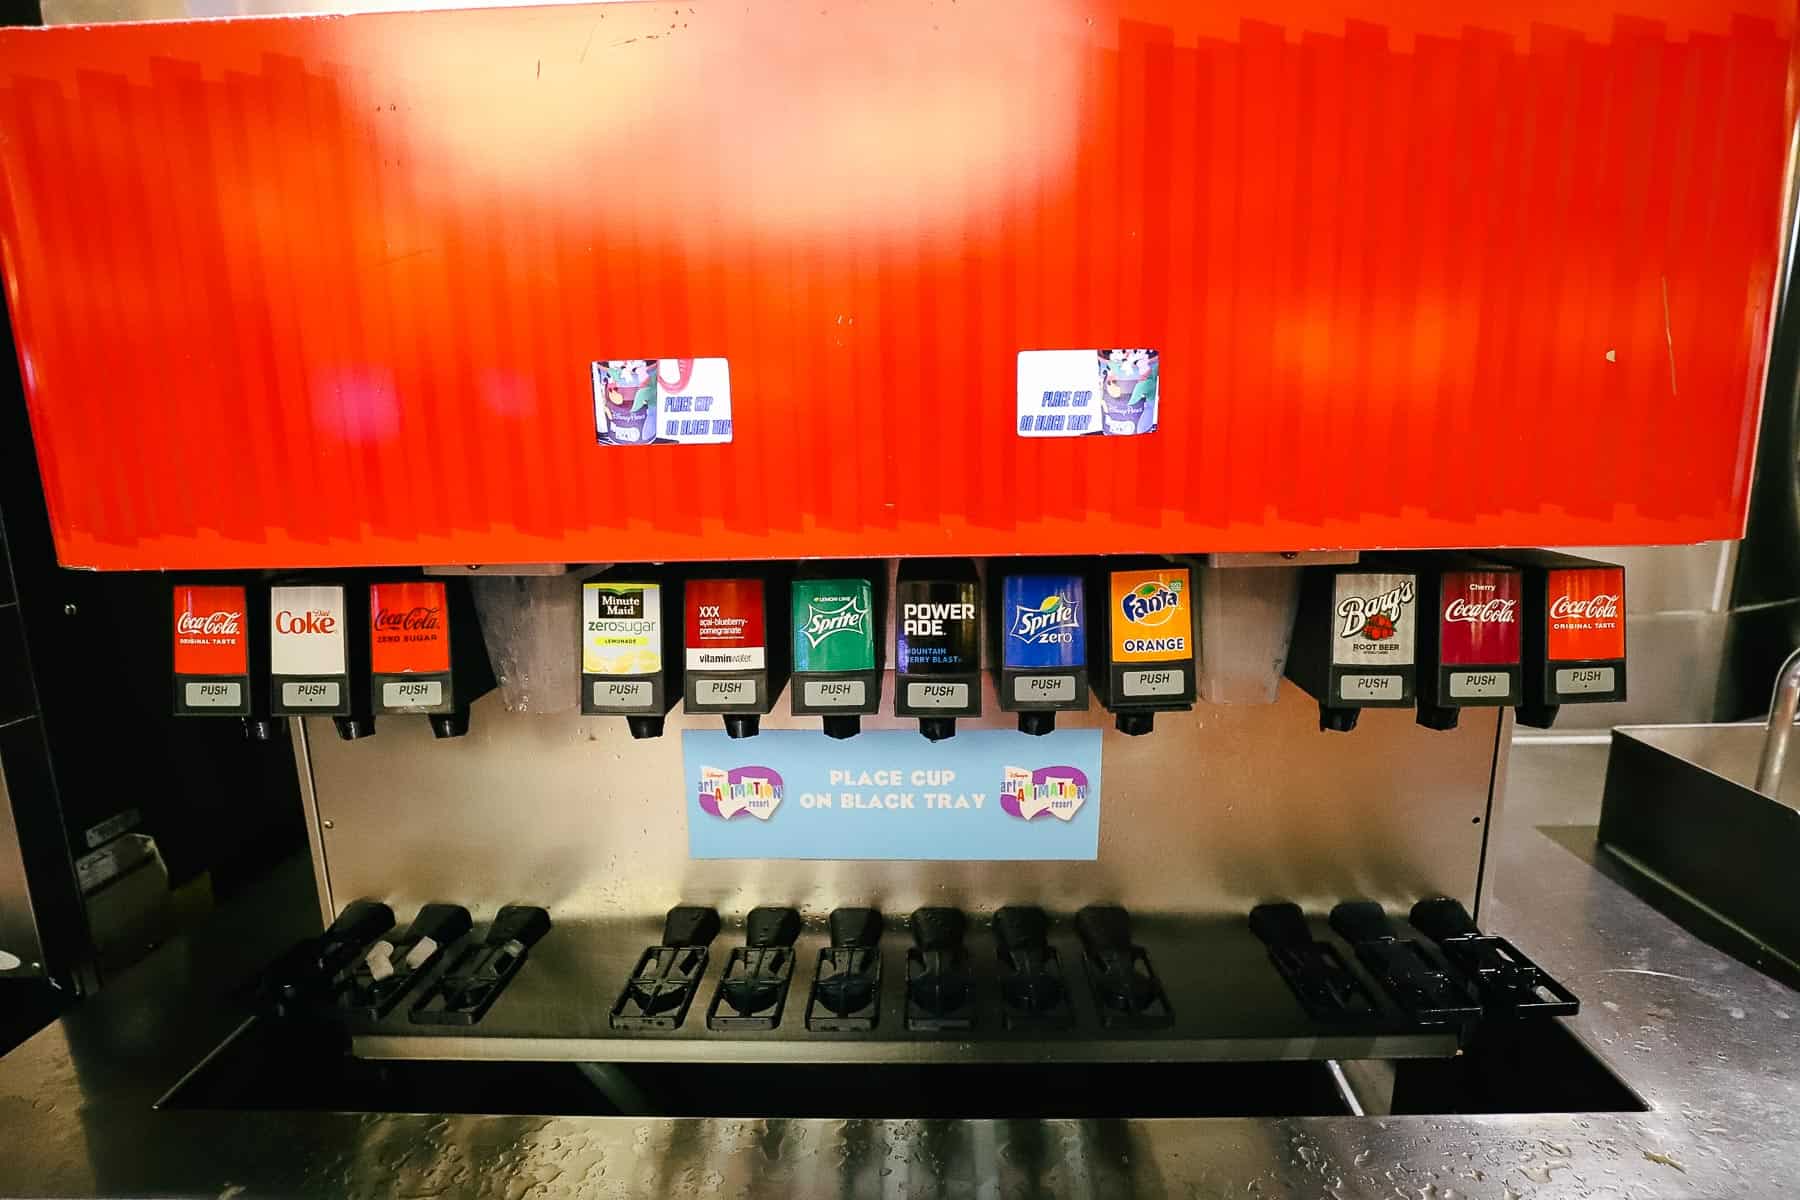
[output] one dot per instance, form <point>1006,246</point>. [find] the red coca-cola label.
<point>209,631</point>
<point>1479,618</point>
<point>409,628</point>
<point>1585,613</point>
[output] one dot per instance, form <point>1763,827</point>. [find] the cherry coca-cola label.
<point>409,628</point>
<point>209,631</point>
<point>1480,618</point>
<point>1585,613</point>
<point>306,630</point>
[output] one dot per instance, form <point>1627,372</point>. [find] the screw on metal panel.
<point>68,610</point>
<point>329,824</point>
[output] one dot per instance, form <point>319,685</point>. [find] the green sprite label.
<point>834,625</point>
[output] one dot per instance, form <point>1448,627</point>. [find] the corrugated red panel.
<point>325,290</point>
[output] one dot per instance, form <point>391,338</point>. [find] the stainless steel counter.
<point>1709,1044</point>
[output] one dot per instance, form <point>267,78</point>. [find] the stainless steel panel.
<point>1707,1042</point>
<point>1217,810</point>
<point>1676,659</point>
<point>1664,579</point>
<point>21,953</point>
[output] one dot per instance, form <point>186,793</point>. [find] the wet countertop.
<point>1708,1043</point>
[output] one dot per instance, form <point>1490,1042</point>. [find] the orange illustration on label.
<point>409,628</point>
<point>209,631</point>
<point>1585,613</point>
<point>1152,618</point>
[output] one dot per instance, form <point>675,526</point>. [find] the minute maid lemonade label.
<point>1152,615</point>
<point>621,628</point>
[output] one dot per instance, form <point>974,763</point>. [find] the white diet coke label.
<point>306,631</point>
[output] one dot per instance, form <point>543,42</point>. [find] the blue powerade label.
<point>1044,621</point>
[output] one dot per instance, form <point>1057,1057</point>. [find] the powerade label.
<point>1374,615</point>
<point>834,625</point>
<point>1152,615</point>
<point>1479,619</point>
<point>938,631</point>
<point>1043,617</point>
<point>621,628</point>
<point>409,628</point>
<point>725,625</point>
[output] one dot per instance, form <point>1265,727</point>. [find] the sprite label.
<point>834,625</point>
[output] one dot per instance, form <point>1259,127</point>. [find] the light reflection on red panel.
<point>324,291</point>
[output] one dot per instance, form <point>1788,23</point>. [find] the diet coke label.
<point>306,631</point>
<point>209,631</point>
<point>1375,618</point>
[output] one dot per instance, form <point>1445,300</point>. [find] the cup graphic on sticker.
<point>1128,390</point>
<point>625,396</point>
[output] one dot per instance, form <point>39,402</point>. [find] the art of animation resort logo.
<point>1056,791</point>
<point>732,793</point>
<point>1051,623</point>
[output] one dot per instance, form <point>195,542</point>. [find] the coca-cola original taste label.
<point>409,628</point>
<point>209,631</point>
<point>1585,614</point>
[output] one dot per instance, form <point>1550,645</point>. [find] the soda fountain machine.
<point>1035,560</point>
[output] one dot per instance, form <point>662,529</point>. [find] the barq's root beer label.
<point>621,629</point>
<point>307,652</point>
<point>212,650</point>
<point>1375,619</point>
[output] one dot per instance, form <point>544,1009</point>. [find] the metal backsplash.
<point>1213,812</point>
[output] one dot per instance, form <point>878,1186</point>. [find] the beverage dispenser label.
<point>984,795</point>
<point>1043,615</point>
<point>409,628</point>
<point>307,654</point>
<point>1480,618</point>
<point>209,631</point>
<point>1074,393</point>
<point>1375,613</point>
<point>939,627</point>
<point>662,401</point>
<point>1152,616</point>
<point>725,620</point>
<point>834,625</point>
<point>1585,619</point>
<point>212,650</point>
<point>621,629</point>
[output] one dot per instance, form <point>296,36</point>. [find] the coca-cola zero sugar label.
<point>212,650</point>
<point>308,664</point>
<point>409,636</point>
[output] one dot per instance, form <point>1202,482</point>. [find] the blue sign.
<point>1042,621</point>
<point>986,794</point>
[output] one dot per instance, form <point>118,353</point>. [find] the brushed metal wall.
<point>1216,810</point>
